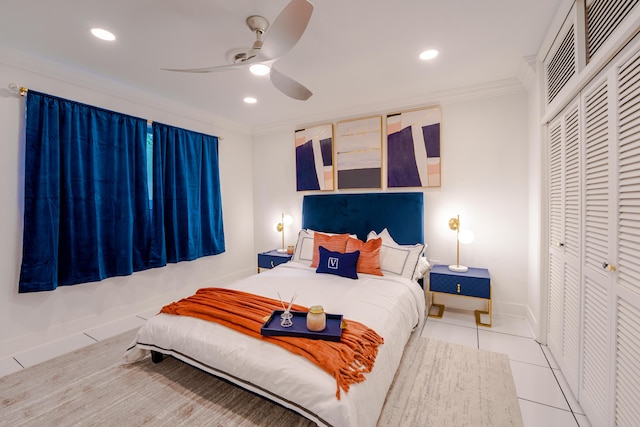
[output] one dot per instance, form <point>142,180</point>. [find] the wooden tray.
<point>332,332</point>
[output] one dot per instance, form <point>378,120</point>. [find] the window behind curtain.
<point>149,141</point>
<point>186,163</point>
<point>86,206</point>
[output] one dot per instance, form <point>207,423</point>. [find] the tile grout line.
<point>570,410</point>
<point>549,406</point>
<point>18,362</point>
<point>484,329</point>
<point>508,334</point>
<point>559,385</point>
<point>13,356</point>
<point>85,333</point>
<point>455,324</point>
<point>93,338</point>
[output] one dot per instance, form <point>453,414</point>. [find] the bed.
<point>393,305</point>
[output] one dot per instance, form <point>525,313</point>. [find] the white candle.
<point>316,319</point>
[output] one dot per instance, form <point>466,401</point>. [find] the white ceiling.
<point>354,54</point>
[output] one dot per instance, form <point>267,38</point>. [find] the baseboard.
<point>26,342</point>
<point>535,326</point>
<point>466,303</point>
<point>510,308</point>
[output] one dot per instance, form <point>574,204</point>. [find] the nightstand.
<point>272,258</point>
<point>475,283</point>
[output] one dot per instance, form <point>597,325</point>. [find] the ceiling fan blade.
<point>288,86</point>
<point>214,69</point>
<point>287,29</point>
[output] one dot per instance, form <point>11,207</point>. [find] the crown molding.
<point>36,72</point>
<point>527,72</point>
<point>166,110</point>
<point>444,97</point>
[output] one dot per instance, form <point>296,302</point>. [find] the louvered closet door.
<point>556,237</point>
<point>599,251</point>
<point>627,349</point>
<point>564,213</point>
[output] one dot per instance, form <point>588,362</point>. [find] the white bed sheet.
<point>392,306</point>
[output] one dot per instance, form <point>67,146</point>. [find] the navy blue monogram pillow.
<point>339,264</point>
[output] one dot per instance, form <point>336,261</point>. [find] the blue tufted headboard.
<point>401,213</point>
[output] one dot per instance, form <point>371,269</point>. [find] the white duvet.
<point>392,306</point>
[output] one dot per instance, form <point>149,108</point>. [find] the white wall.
<point>537,216</point>
<point>29,319</point>
<point>485,164</point>
<point>485,178</point>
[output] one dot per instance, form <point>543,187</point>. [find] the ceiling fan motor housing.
<point>258,23</point>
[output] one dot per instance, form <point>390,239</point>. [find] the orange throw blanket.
<point>347,361</point>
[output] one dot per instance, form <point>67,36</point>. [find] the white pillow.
<point>304,247</point>
<point>422,267</point>
<point>396,259</point>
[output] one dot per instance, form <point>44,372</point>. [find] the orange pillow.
<point>369,260</point>
<point>335,243</point>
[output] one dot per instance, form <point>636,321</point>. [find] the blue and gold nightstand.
<point>272,258</point>
<point>476,283</point>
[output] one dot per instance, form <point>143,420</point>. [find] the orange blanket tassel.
<point>347,361</point>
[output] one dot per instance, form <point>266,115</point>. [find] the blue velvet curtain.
<point>190,182</point>
<point>86,208</point>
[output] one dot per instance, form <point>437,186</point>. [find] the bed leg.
<point>156,356</point>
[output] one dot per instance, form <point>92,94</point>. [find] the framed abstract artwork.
<point>314,158</point>
<point>413,148</point>
<point>359,153</point>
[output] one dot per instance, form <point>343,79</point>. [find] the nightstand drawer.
<point>272,258</point>
<point>473,283</point>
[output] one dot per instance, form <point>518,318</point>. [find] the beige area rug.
<point>437,384</point>
<point>443,384</point>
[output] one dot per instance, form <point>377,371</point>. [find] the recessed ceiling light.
<point>428,54</point>
<point>260,69</point>
<point>250,100</point>
<point>103,34</point>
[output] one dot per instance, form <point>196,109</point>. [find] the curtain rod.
<point>18,89</point>
<point>22,91</point>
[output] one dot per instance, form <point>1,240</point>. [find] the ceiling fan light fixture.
<point>428,54</point>
<point>250,100</point>
<point>260,69</point>
<point>103,34</point>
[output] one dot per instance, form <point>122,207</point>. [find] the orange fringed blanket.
<point>347,361</point>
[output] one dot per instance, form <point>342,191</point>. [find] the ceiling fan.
<point>283,35</point>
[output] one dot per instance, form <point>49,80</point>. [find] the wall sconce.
<point>286,220</point>
<point>462,236</point>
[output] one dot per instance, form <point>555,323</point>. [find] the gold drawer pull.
<point>458,287</point>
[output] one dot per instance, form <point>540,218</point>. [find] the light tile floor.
<point>545,399</point>
<point>544,396</point>
<point>53,349</point>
